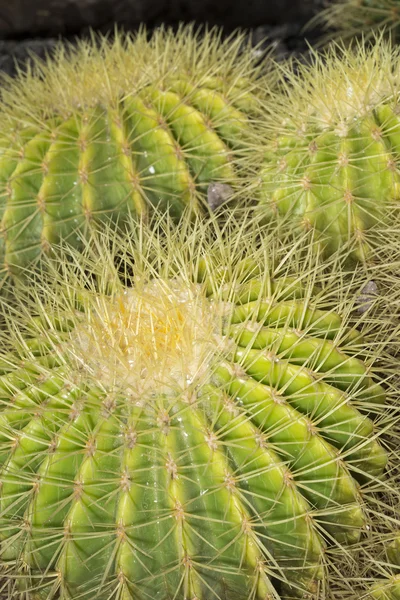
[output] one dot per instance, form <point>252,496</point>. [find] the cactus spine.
<point>210,429</point>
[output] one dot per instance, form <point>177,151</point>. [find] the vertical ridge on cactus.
<point>109,128</point>
<point>185,414</point>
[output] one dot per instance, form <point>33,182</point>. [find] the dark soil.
<point>29,27</point>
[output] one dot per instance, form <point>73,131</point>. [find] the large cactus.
<point>333,162</point>
<point>199,431</point>
<point>111,128</point>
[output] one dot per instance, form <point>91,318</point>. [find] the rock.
<point>366,297</point>
<point>218,194</point>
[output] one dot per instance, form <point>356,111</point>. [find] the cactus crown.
<point>100,71</point>
<point>156,336</point>
<point>339,87</point>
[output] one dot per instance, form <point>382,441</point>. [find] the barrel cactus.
<point>105,129</point>
<point>332,164</point>
<point>187,416</point>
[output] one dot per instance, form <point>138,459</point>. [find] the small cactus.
<point>195,422</point>
<point>111,128</point>
<point>333,161</point>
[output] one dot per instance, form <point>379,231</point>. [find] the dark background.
<point>35,25</point>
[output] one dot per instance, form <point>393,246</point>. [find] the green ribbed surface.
<point>156,147</point>
<point>190,496</point>
<point>114,126</point>
<point>342,181</point>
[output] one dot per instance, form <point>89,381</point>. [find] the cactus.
<point>352,17</point>
<point>186,415</point>
<point>388,589</point>
<point>332,164</point>
<point>393,552</point>
<point>111,128</point>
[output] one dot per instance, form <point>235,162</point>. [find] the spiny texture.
<point>386,590</point>
<point>333,162</point>
<point>383,555</point>
<point>353,17</point>
<point>387,587</point>
<point>111,128</point>
<point>189,417</point>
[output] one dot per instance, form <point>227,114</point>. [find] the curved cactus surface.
<point>108,129</point>
<point>333,164</point>
<point>198,435</point>
<point>386,590</point>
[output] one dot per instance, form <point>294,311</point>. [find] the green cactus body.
<point>118,129</point>
<point>386,590</point>
<point>393,552</point>
<point>166,441</point>
<point>334,165</point>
